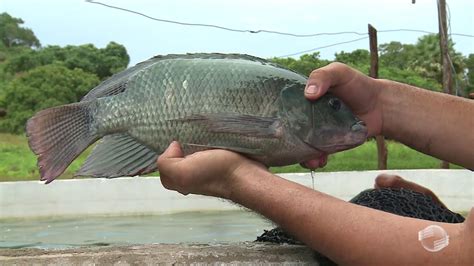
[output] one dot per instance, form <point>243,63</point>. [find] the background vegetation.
<point>19,163</point>
<point>33,77</point>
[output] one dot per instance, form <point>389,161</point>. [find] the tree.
<point>115,59</point>
<point>418,64</point>
<point>357,57</point>
<point>398,70</point>
<point>469,62</point>
<point>12,34</point>
<point>396,54</point>
<point>424,57</point>
<point>304,65</point>
<point>34,77</point>
<point>103,62</point>
<point>409,77</point>
<point>40,88</point>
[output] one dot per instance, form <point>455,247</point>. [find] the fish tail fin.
<point>58,135</point>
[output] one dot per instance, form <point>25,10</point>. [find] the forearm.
<point>347,233</point>
<point>437,124</point>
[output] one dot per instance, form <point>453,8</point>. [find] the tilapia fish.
<point>205,101</point>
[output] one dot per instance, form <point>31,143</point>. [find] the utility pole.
<point>445,60</point>
<point>374,73</point>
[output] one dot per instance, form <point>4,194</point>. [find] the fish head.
<point>326,124</point>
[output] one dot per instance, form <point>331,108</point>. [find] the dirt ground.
<point>168,254</point>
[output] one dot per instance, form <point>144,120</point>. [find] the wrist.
<point>385,99</point>
<point>397,104</point>
<point>242,178</point>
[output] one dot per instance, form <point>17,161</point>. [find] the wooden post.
<point>443,44</point>
<point>374,73</point>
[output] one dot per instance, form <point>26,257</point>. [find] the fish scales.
<point>151,113</point>
<point>204,101</point>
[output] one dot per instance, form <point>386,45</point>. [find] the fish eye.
<point>335,104</point>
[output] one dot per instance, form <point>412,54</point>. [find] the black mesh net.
<point>402,202</point>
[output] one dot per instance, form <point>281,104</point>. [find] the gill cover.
<point>325,124</point>
<point>297,110</point>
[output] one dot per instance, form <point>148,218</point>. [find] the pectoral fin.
<point>119,155</point>
<point>247,125</point>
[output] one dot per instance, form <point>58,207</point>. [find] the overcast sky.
<point>63,22</point>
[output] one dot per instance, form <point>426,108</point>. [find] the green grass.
<point>364,157</point>
<point>17,162</point>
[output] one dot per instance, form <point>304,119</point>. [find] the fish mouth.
<point>345,141</point>
<point>331,140</point>
<point>338,147</point>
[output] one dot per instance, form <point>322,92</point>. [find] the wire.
<point>222,27</point>
<point>262,31</point>
<point>322,47</point>
<point>408,30</point>
<point>425,31</point>
<point>164,20</point>
<point>301,35</point>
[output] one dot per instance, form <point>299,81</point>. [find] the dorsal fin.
<point>115,84</point>
<point>210,56</point>
<point>118,82</point>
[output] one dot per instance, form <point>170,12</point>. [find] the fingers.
<point>324,78</point>
<point>389,181</point>
<point>170,156</point>
<point>168,166</point>
<point>395,181</point>
<point>173,151</point>
<point>315,163</point>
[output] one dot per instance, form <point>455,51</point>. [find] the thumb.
<point>388,181</point>
<point>172,155</point>
<point>173,151</point>
<point>317,85</point>
<point>314,91</point>
<point>326,77</point>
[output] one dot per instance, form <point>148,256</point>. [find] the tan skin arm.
<point>347,233</point>
<point>437,124</point>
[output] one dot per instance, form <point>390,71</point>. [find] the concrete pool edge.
<point>146,195</point>
<point>247,253</point>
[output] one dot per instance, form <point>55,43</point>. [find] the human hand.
<point>395,181</point>
<point>358,91</point>
<point>211,172</point>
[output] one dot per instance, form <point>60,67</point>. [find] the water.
<point>192,227</point>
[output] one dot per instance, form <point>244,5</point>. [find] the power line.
<point>425,31</point>
<point>222,27</point>
<point>261,31</point>
<point>408,30</point>
<point>322,47</point>
<point>166,20</point>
